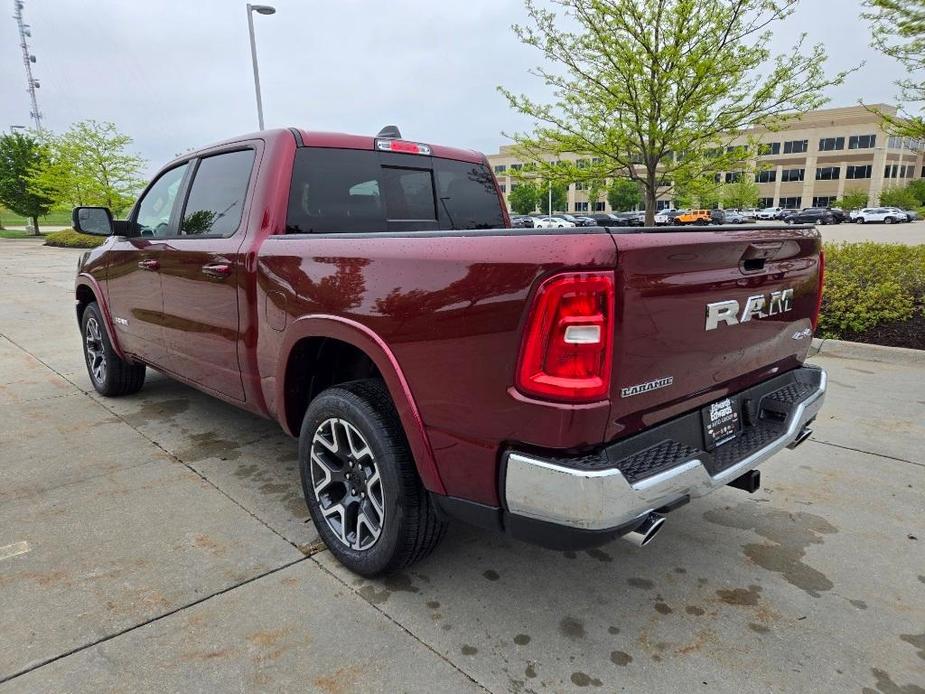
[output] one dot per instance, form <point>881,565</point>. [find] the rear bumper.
<point>612,490</point>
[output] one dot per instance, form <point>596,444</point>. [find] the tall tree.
<point>523,197</point>
<point>899,32</point>
<point>741,192</point>
<point>649,88</point>
<point>623,194</point>
<point>20,156</point>
<point>852,200</point>
<point>90,165</point>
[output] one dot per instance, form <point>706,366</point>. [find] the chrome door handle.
<point>219,270</point>
<point>149,264</point>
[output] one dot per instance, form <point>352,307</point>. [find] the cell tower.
<point>28,59</point>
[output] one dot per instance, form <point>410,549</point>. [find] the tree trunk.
<point>35,226</point>
<point>651,192</point>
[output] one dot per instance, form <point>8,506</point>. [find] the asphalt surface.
<point>159,543</point>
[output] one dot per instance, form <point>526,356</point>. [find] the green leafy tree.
<point>899,32</point>
<point>559,190</point>
<point>523,197</point>
<point>852,200</point>
<point>596,188</point>
<point>648,88</point>
<point>742,192</point>
<point>918,189</point>
<point>20,156</point>
<point>623,194</point>
<point>901,197</point>
<point>90,165</point>
<point>697,192</point>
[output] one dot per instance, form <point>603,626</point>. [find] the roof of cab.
<point>316,138</point>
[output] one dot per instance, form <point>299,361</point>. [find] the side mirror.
<point>92,220</point>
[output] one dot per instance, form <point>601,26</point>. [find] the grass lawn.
<point>10,234</point>
<point>55,218</point>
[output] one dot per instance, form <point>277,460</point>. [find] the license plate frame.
<point>722,421</point>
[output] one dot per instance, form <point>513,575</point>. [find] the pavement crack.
<point>169,613</point>
<point>399,625</point>
<point>861,450</point>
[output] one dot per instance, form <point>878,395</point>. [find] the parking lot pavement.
<point>158,542</point>
<point>912,233</point>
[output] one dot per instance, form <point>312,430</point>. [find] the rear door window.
<point>344,190</point>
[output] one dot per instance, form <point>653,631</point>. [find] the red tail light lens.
<point>567,350</point>
<point>402,146</point>
<point>821,285</point>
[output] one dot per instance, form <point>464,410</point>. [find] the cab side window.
<point>155,208</point>
<point>217,195</point>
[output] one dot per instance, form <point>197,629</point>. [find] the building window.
<point>828,173</point>
<point>516,167</point>
<point>582,163</point>
<point>581,207</point>
<point>717,178</point>
<point>823,200</point>
<point>891,171</point>
<point>599,206</point>
<point>910,171</point>
<point>514,185</point>
<point>796,146</point>
<point>790,203</point>
<point>662,204</point>
<point>862,141</point>
<point>765,202</point>
<point>895,142</point>
<point>503,187</point>
<point>733,176</point>
<point>500,168</point>
<point>766,177</point>
<point>827,144</point>
<point>788,175</point>
<point>858,171</point>
<point>766,149</point>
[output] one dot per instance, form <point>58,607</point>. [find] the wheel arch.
<point>86,291</point>
<point>350,347</point>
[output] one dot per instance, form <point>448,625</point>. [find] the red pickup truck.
<point>565,386</point>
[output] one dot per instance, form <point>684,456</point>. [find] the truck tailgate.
<point>670,354</point>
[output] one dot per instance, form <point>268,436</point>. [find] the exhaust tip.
<point>801,437</point>
<point>646,531</point>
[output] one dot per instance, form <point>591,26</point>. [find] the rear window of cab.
<point>362,191</point>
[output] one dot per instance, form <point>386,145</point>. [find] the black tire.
<point>409,527</point>
<point>888,220</point>
<point>109,373</point>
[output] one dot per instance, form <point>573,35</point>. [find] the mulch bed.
<point>908,333</point>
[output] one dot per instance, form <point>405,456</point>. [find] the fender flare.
<point>85,279</point>
<point>367,341</point>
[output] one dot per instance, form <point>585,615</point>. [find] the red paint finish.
<point>442,316</point>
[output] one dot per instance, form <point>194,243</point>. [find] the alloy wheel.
<point>346,483</point>
<point>96,356</point>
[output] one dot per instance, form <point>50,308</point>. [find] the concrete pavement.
<point>160,543</point>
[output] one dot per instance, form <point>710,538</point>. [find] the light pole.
<point>260,9</point>
<point>14,128</point>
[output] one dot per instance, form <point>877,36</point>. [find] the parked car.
<point>811,215</point>
<point>502,376</point>
<point>880,214</point>
<point>522,221</point>
<point>912,215</point>
<point>631,219</point>
<point>692,217</point>
<point>557,222</point>
<point>750,214</point>
<point>785,212</point>
<point>666,217</point>
<point>574,221</point>
<point>768,213</point>
<point>726,217</point>
<point>839,215</point>
<point>586,221</point>
<point>605,219</point>
<point>901,215</point>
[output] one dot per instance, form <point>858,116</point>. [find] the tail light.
<point>403,146</point>
<point>567,350</point>
<point>821,285</point>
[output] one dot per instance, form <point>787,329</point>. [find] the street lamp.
<point>259,9</point>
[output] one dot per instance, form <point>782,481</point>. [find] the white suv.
<point>887,215</point>
<point>769,212</point>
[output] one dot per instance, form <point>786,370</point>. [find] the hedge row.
<point>68,238</point>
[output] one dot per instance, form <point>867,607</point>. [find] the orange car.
<point>693,217</point>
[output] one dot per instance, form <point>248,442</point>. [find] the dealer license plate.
<point>721,422</point>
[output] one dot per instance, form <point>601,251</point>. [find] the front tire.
<point>109,373</point>
<point>888,220</point>
<point>360,481</point>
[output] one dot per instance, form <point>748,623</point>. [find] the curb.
<point>860,350</point>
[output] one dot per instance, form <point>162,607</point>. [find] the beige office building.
<point>811,162</point>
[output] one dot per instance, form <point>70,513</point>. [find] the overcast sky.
<point>176,74</point>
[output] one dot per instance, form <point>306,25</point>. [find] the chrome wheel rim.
<point>93,344</point>
<point>346,484</point>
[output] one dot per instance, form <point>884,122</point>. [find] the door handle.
<point>149,264</point>
<point>219,270</point>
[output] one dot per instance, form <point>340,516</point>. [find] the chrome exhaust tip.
<point>801,437</point>
<point>646,531</point>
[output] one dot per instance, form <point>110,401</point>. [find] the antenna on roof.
<point>390,132</point>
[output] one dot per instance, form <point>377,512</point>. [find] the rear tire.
<point>109,373</point>
<point>888,220</point>
<point>360,481</point>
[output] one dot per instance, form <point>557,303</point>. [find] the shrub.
<point>68,238</point>
<point>868,284</point>
<point>902,198</point>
